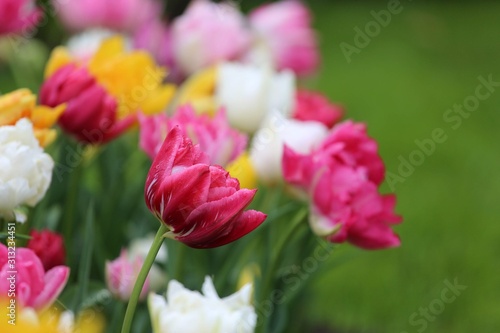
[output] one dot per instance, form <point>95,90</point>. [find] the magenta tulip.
<point>18,16</point>
<point>91,113</point>
<point>202,206</point>
<point>342,178</point>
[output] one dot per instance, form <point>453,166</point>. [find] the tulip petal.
<point>55,280</point>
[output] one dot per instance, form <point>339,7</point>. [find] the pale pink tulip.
<point>34,288</point>
<point>208,33</point>
<point>123,15</point>
<point>286,27</point>
<point>121,275</point>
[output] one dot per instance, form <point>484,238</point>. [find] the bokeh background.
<point>426,60</point>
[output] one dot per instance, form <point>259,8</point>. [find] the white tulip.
<point>250,93</point>
<point>186,311</point>
<point>268,143</point>
<point>26,168</point>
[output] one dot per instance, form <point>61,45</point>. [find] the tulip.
<point>18,16</point>
<point>22,104</point>
<point>123,15</point>
<point>214,135</point>
<point>200,204</point>
<point>49,247</point>
<point>104,96</point>
<point>286,27</point>
<point>186,311</point>
<point>267,145</point>
<point>26,168</point>
<point>35,288</point>
<point>249,94</point>
<point>84,45</point>
<point>342,176</point>
<point>91,113</point>
<point>121,275</point>
<point>208,33</point>
<point>314,106</point>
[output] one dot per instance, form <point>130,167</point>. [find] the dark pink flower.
<point>215,136</point>
<point>18,16</point>
<point>313,106</point>
<point>49,247</point>
<point>91,113</point>
<point>342,178</point>
<point>286,26</point>
<point>200,203</point>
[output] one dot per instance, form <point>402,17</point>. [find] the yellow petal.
<point>16,105</point>
<point>110,48</point>
<point>199,85</point>
<point>59,58</point>
<point>244,171</point>
<point>44,116</point>
<point>45,136</point>
<point>158,100</point>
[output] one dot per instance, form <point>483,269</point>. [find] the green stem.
<point>274,260</point>
<point>143,274</point>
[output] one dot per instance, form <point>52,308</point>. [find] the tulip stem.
<point>141,279</point>
<point>274,260</point>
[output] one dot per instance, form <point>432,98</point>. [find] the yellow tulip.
<point>22,104</point>
<point>132,78</point>
<point>199,91</point>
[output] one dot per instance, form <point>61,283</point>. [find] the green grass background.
<point>425,61</point>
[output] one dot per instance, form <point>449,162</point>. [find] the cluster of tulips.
<point>203,121</point>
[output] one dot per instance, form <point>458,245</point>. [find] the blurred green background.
<point>427,59</point>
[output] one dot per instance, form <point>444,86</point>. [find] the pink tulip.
<point>123,15</point>
<point>342,176</point>
<point>200,203</point>
<point>18,16</point>
<point>91,113</point>
<point>214,135</point>
<point>208,33</point>
<point>34,287</point>
<point>153,131</point>
<point>286,26</point>
<point>121,275</point>
<point>312,106</point>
